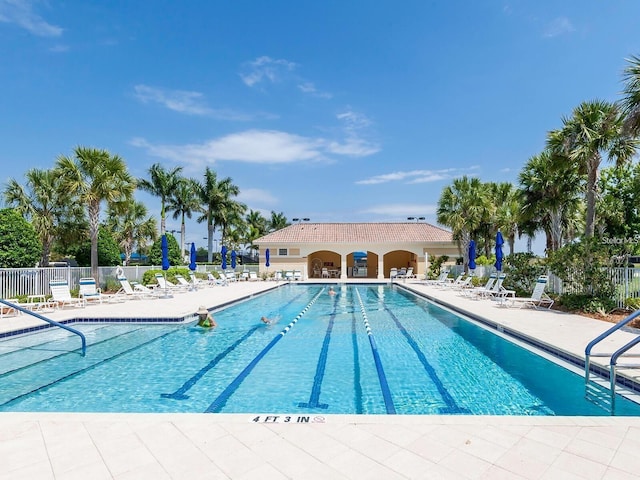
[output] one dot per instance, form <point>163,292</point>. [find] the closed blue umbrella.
<point>223,252</point>
<point>472,255</point>
<point>266,257</point>
<point>234,256</point>
<point>164,245</point>
<point>499,254</point>
<point>192,258</point>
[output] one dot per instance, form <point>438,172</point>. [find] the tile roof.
<point>357,233</point>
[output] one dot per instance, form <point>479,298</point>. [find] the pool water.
<point>369,349</point>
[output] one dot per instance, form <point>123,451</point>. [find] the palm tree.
<point>219,207</point>
<point>162,183</point>
<point>42,201</point>
<point>506,199</point>
<point>631,102</point>
<point>256,227</point>
<point>594,130</point>
<point>183,203</point>
<point>550,189</point>
<point>132,227</point>
<point>277,222</point>
<point>94,176</point>
<point>462,207</point>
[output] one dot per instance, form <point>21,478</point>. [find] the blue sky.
<point>332,110</point>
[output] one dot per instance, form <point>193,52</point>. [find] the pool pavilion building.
<point>354,250</point>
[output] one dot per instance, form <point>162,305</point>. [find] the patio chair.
<point>325,272</point>
<point>183,283</point>
<point>288,275</point>
<point>441,279</point>
<point>90,291</point>
<point>407,274</point>
<point>61,295</point>
<point>195,281</point>
<point>212,280</point>
<point>253,276</point>
<point>297,275</point>
<point>484,289</point>
<point>166,285</point>
<point>537,299</point>
<point>128,291</point>
<point>393,273</point>
<point>230,275</point>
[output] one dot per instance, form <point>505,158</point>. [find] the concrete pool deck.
<point>175,446</point>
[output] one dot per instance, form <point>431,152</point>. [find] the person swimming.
<point>205,319</point>
<point>331,291</point>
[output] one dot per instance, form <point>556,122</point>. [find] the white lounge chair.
<point>393,273</point>
<point>129,291</point>
<point>253,276</point>
<point>297,275</point>
<point>487,289</point>
<point>325,272</point>
<point>61,295</point>
<point>90,291</point>
<point>407,274</point>
<point>166,285</point>
<point>537,299</point>
<point>439,280</point>
<point>288,275</point>
<point>212,280</point>
<point>230,275</point>
<point>183,283</point>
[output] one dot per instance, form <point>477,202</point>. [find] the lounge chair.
<point>253,276</point>
<point>129,291</point>
<point>61,295</point>
<point>407,274</point>
<point>90,291</point>
<point>325,272</point>
<point>182,282</point>
<point>166,285</point>
<point>288,275</point>
<point>195,281</point>
<point>440,280</point>
<point>212,280</point>
<point>297,275</point>
<point>451,282</point>
<point>486,289</point>
<point>393,273</point>
<point>277,276</point>
<point>537,299</point>
<point>230,275</point>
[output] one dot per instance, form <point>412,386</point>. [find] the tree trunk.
<point>94,223</point>
<point>592,185</point>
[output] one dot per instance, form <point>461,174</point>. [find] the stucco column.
<point>380,266</point>
<point>343,267</point>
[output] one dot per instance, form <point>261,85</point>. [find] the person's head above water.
<point>202,310</point>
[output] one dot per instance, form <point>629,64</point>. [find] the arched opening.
<point>399,259</point>
<point>324,264</point>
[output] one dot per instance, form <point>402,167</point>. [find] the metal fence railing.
<point>19,282</point>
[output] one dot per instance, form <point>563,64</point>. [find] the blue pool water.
<point>370,349</point>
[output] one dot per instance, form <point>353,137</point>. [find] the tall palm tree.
<point>132,227</point>
<point>506,199</point>
<point>256,227</point>
<point>277,222</point>
<point>162,183</point>
<point>183,203</point>
<point>219,207</point>
<point>593,131</point>
<point>631,100</point>
<point>462,207</point>
<point>94,176</point>
<point>42,201</point>
<point>550,188</point>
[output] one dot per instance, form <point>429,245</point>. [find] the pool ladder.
<point>598,390</point>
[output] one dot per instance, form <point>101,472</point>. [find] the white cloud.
<point>21,13</point>
<point>251,146</point>
<point>310,88</point>
<point>184,101</point>
<point>558,26</point>
<point>412,176</point>
<point>402,210</point>
<point>265,69</point>
<point>355,128</point>
<point>256,196</point>
<point>257,146</point>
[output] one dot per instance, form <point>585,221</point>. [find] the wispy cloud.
<point>187,102</point>
<point>256,196</point>
<point>257,146</point>
<point>23,14</point>
<point>310,88</point>
<point>401,209</point>
<point>414,176</point>
<point>355,129</point>
<point>264,69</point>
<point>558,26</point>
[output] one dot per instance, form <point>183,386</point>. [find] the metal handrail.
<point>602,336</point>
<point>49,321</point>
<point>613,363</point>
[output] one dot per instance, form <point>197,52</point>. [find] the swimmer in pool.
<point>205,319</point>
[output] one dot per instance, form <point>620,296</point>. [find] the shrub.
<point>588,303</point>
<point>632,303</point>
<point>19,243</point>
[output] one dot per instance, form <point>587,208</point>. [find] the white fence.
<point>18,282</point>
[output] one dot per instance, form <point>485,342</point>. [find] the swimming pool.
<point>369,349</point>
